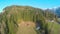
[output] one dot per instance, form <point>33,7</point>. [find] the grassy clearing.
<point>26,28</point>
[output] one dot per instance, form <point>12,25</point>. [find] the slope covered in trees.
<point>13,15</point>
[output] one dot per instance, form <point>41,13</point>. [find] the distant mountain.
<point>57,11</point>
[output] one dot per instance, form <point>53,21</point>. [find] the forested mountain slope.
<point>13,15</point>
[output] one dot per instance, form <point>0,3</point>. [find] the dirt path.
<point>26,28</point>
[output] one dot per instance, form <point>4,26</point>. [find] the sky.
<point>43,4</point>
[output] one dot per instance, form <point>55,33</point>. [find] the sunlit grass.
<point>55,27</point>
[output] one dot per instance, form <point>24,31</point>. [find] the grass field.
<point>55,27</point>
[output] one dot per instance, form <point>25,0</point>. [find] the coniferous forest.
<point>28,20</point>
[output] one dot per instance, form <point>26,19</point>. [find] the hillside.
<point>12,16</point>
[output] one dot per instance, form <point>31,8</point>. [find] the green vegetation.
<point>54,28</point>
<point>13,15</point>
